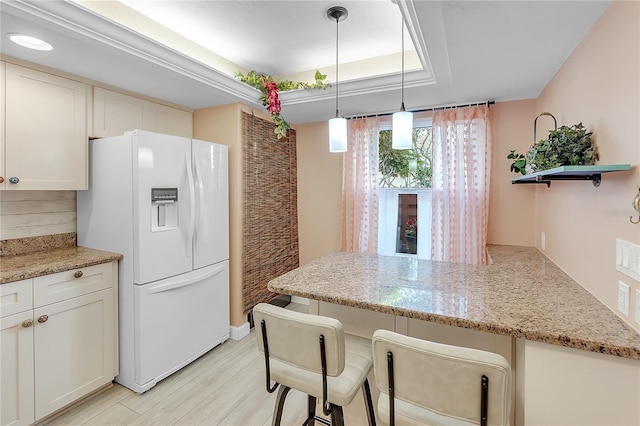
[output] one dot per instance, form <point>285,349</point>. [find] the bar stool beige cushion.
<point>295,359</point>
<point>438,384</point>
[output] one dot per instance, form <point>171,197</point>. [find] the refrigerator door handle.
<point>192,202</point>
<point>200,209</point>
<point>173,284</point>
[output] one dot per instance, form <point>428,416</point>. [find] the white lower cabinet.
<point>16,337</point>
<point>73,349</point>
<point>62,348</point>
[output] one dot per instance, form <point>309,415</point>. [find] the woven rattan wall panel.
<point>270,208</point>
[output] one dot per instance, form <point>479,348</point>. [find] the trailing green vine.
<point>270,89</point>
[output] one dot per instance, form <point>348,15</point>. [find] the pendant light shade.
<point>338,134</point>
<point>402,125</point>
<point>402,130</point>
<point>337,125</point>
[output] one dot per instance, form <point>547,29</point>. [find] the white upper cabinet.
<point>45,145</point>
<point>48,119</point>
<point>115,113</point>
<point>172,121</point>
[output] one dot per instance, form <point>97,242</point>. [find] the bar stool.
<point>423,382</point>
<point>311,354</point>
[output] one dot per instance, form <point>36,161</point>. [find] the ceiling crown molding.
<point>379,83</point>
<point>408,11</point>
<point>78,22</point>
<point>69,16</point>
<point>363,86</point>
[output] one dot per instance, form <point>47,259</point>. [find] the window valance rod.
<point>487,103</point>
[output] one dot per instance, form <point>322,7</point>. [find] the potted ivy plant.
<point>565,146</point>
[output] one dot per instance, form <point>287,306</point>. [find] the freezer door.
<point>179,319</point>
<point>164,207</point>
<point>211,233</point>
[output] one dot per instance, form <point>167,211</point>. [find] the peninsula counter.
<point>574,361</point>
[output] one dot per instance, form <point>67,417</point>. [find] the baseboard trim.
<point>238,333</point>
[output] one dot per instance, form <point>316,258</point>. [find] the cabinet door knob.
<point>27,323</point>
<point>14,179</point>
<point>1,179</point>
<point>77,274</point>
<point>43,318</point>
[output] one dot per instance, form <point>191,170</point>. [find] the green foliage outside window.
<point>406,168</point>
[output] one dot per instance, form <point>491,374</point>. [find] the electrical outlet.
<point>638,306</point>
<point>542,240</point>
<point>623,298</point>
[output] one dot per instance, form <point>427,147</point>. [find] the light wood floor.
<point>224,387</point>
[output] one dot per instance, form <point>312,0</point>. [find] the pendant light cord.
<point>402,85</point>
<point>337,79</point>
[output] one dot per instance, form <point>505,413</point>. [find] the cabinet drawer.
<point>75,282</point>
<point>16,297</point>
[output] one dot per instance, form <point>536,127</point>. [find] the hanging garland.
<point>269,97</point>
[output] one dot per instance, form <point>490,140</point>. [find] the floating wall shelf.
<point>592,173</point>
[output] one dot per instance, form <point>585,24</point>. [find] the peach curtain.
<point>460,196</point>
<point>360,187</point>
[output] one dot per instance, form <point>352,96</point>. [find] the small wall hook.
<point>535,121</point>
<point>636,206</point>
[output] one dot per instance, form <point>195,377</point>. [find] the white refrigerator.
<point>163,202</point>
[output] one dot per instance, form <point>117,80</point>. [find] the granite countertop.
<point>30,265</point>
<point>521,294</point>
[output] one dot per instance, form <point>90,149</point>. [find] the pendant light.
<point>402,125</point>
<point>337,125</point>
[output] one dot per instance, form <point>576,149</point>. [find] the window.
<point>405,194</point>
<point>406,168</point>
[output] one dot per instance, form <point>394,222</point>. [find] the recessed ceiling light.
<point>30,42</point>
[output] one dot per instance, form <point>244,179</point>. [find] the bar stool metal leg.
<point>368,403</point>
<point>277,410</point>
<point>311,410</point>
<point>337,418</point>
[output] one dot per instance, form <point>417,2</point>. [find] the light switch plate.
<point>623,298</point>
<point>628,258</point>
